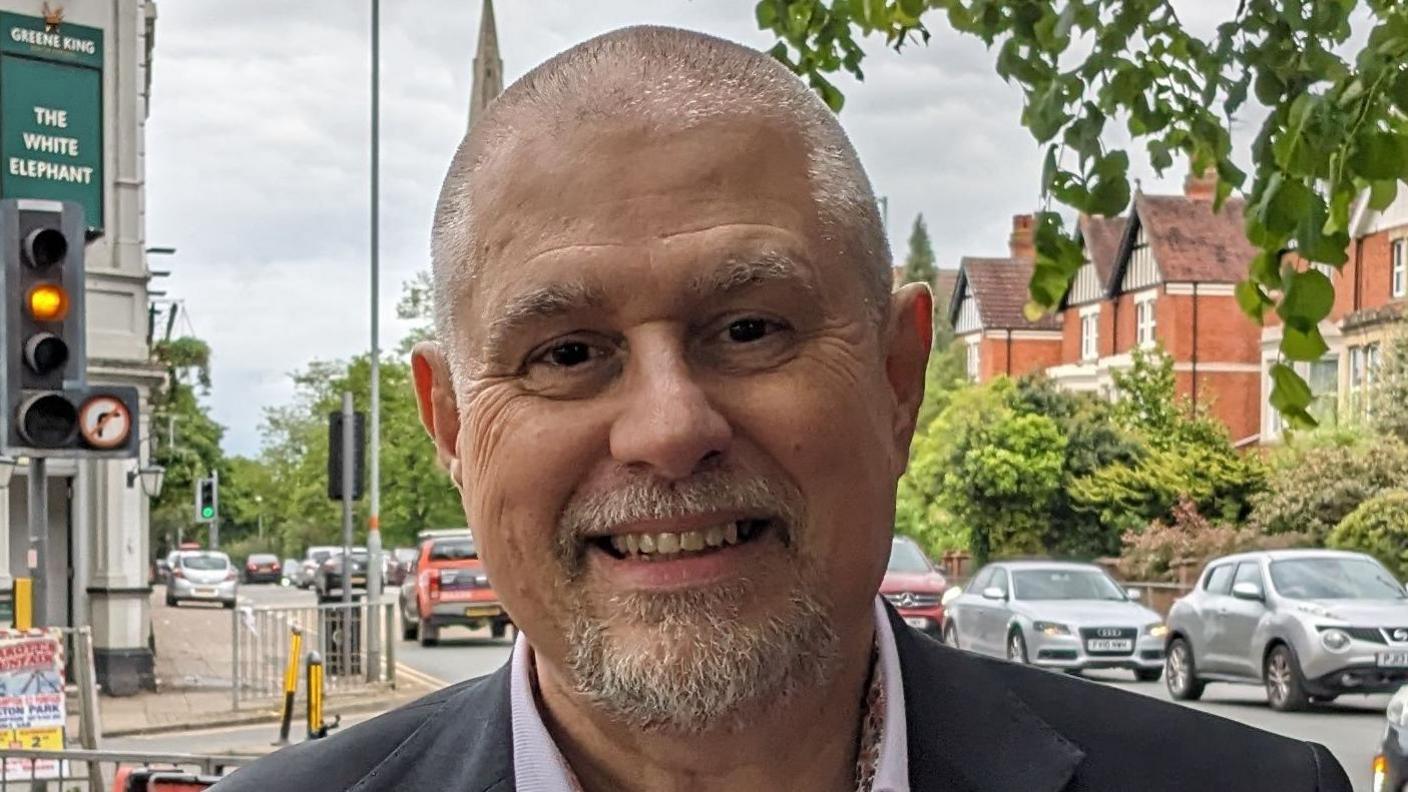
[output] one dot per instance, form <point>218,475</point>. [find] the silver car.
<point>1309,625</point>
<point>203,575</point>
<point>1057,615</point>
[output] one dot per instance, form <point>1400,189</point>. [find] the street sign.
<point>51,112</point>
<point>105,422</point>
<point>335,454</point>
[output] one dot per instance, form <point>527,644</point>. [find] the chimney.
<point>1200,187</point>
<point>1022,244</point>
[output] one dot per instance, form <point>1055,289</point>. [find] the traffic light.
<point>207,499</point>
<point>49,408</point>
<point>359,455</point>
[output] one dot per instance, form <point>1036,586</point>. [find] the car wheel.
<point>1182,677</point>
<point>410,628</point>
<point>498,629</point>
<point>1324,699</point>
<point>429,636</point>
<point>1285,687</point>
<point>170,600</point>
<point>951,634</point>
<point>1017,647</point>
<point>1148,674</point>
<point>227,604</point>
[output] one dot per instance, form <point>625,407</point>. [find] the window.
<point>981,580</point>
<point>1219,580</point>
<point>1323,376</point>
<point>1090,334</point>
<point>1144,322</point>
<point>1363,364</point>
<point>1399,274</point>
<point>999,579</point>
<point>1248,572</point>
<point>973,360</point>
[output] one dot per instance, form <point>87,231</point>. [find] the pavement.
<point>193,671</point>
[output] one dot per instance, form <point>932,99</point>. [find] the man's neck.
<point>809,742</point>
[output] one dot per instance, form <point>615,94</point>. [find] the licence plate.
<point>1109,645</point>
<point>205,592</point>
<point>358,580</point>
<point>482,610</point>
<point>916,622</point>
<point>1393,659</point>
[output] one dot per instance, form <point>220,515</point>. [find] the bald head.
<point>658,78</point>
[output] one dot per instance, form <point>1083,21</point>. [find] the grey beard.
<point>699,668</point>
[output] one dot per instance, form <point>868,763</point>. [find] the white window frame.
<point>973,360</point>
<point>1398,271</point>
<point>1090,333</point>
<point>1145,320</point>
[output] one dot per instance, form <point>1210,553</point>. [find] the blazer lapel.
<point>967,731</point>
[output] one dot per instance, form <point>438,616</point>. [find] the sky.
<point>258,148</point>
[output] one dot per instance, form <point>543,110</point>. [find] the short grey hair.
<point>676,78</point>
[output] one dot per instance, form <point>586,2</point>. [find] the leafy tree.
<point>1335,128</point>
<point>1149,403</point>
<point>1390,389</point>
<point>1156,552</point>
<point>1002,471</point>
<point>187,439</point>
<point>919,264</point>
<point>1379,527</point>
<point>1346,470</point>
<point>416,493</point>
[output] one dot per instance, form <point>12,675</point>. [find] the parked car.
<point>1391,764</point>
<point>1058,615</point>
<point>1309,625</point>
<point>290,571</point>
<point>202,575</point>
<point>328,579</point>
<point>400,562</point>
<point>914,586</point>
<point>312,559</point>
<point>161,571</point>
<point>262,568</point>
<point>447,585</point>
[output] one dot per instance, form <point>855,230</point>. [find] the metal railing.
<point>95,771</point>
<point>261,640</point>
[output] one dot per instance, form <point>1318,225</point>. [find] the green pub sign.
<point>51,112</point>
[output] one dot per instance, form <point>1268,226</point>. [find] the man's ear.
<point>435,396</point>
<point>910,338</point>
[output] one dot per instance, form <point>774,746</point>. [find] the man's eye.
<point>745,331</point>
<point>569,354</point>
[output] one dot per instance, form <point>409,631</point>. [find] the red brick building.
<point>986,313</point>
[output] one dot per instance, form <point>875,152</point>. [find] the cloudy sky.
<point>258,143</point>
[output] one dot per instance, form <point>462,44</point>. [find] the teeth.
<point>619,542</point>
<point>667,543</point>
<point>731,533</point>
<point>632,543</point>
<point>693,540</point>
<point>714,536</point>
<point>647,543</point>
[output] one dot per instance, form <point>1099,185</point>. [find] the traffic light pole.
<point>213,530</point>
<point>374,566</point>
<point>39,536</point>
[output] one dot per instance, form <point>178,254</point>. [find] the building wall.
<point>1232,397</point>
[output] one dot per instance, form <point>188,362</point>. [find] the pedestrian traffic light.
<point>207,499</point>
<point>49,410</point>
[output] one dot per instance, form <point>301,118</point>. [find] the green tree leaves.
<point>919,262</point>
<point>1337,129</point>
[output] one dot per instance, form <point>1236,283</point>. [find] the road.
<point>1350,727</point>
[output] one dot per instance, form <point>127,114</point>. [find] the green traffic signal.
<point>207,512</point>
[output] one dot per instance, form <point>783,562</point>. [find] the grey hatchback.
<point>1058,615</point>
<point>1310,625</point>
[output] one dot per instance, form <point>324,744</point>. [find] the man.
<point>676,394</point>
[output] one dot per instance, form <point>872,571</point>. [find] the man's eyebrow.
<point>535,305</point>
<point>738,272</point>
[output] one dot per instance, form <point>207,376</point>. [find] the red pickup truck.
<point>446,585</point>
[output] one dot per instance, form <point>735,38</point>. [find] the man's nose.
<point>668,425</point>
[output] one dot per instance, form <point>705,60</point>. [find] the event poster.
<point>32,707</point>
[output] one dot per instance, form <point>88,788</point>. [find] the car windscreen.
<point>453,549</point>
<point>205,561</point>
<point>406,554</point>
<point>905,557</point>
<point>320,556</point>
<point>1064,584</point>
<point>263,559</point>
<point>1333,578</point>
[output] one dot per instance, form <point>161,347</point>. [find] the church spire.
<point>488,81</point>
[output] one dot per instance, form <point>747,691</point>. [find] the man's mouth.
<point>670,545</point>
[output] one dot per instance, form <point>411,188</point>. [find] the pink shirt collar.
<point>539,766</point>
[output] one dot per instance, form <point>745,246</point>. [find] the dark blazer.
<point>975,725</point>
